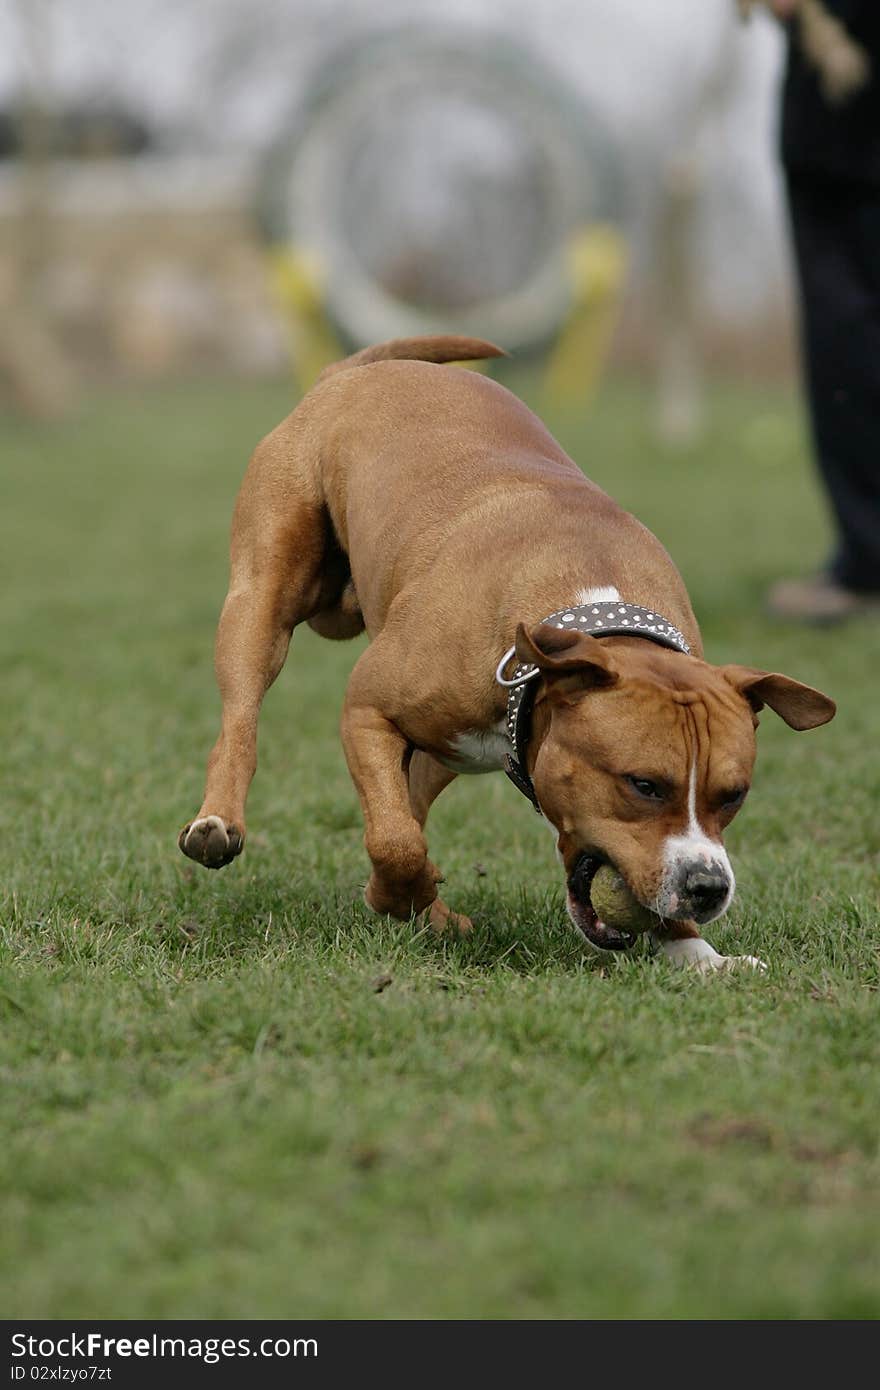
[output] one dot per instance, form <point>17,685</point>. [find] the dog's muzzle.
<point>703,891</point>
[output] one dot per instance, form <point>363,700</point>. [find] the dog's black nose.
<point>706,890</point>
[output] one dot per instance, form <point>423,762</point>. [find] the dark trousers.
<point>836,230</point>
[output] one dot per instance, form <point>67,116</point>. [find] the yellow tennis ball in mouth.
<point>615,905</point>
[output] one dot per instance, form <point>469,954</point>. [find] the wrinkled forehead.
<point>640,720</point>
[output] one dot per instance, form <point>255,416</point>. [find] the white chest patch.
<point>477,750</point>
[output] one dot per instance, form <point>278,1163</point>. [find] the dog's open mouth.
<point>584,915</point>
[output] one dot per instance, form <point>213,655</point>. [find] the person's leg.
<point>836,231</point>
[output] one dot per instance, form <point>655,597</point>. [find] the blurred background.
<point>208,187</point>
<point>211,1105</point>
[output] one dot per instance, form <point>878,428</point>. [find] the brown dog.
<point>428,505</point>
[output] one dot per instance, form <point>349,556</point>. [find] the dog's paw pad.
<point>211,841</point>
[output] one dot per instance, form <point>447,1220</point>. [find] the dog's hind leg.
<point>275,583</point>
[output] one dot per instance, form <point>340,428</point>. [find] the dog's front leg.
<point>682,944</point>
<point>403,881</point>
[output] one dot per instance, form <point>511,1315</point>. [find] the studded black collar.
<point>604,618</point>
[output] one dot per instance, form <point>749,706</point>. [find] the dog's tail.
<point>442,348</point>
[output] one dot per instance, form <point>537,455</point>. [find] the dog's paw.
<point>697,954</point>
<point>717,963</point>
<point>442,920</point>
<point>746,963</point>
<point>211,841</point>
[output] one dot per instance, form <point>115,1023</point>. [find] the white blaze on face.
<point>692,847</point>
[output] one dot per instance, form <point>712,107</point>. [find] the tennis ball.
<point>615,904</point>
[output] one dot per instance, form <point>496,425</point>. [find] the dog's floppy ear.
<point>799,705</point>
<point>565,652</point>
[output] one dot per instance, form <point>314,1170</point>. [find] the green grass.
<point>207,1108</point>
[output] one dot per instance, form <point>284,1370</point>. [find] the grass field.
<point>208,1108</point>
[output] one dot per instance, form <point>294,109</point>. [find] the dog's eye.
<point>652,791</point>
<point>733,798</point>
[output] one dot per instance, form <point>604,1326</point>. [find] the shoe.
<point>819,599</point>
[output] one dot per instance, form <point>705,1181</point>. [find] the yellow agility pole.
<point>597,260</point>
<point>297,278</point>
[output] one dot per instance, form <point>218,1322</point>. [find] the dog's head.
<point>641,757</point>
